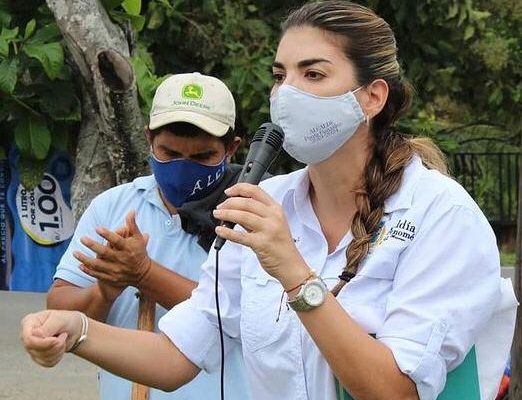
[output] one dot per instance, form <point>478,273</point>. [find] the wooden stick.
<point>146,317</point>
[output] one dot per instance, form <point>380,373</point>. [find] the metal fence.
<point>492,180</point>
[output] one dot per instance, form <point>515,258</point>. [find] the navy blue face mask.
<point>183,180</point>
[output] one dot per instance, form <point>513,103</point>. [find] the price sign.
<point>43,213</point>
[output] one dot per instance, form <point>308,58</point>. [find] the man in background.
<point>143,242</point>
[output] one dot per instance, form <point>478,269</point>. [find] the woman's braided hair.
<point>369,43</point>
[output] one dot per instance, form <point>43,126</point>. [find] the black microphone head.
<point>270,133</point>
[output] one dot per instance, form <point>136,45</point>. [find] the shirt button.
<point>168,222</point>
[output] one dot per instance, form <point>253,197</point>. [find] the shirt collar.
<point>403,197</point>
<point>150,189</point>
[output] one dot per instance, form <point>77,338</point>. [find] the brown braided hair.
<point>369,43</point>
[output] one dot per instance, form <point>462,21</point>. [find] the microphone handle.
<point>248,176</point>
<point>264,148</point>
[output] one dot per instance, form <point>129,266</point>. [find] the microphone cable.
<point>264,148</point>
<point>220,326</point>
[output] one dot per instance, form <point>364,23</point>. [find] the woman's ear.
<point>374,97</point>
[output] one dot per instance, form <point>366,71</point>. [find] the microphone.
<point>264,148</point>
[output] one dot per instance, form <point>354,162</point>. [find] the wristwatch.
<point>311,295</point>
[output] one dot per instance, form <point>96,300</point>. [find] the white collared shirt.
<point>426,289</point>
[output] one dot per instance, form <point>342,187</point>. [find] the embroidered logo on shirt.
<point>404,230</point>
<point>379,236</point>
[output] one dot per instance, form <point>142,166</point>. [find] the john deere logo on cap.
<point>192,91</point>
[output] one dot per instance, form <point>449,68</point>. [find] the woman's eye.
<point>313,75</point>
<point>277,77</point>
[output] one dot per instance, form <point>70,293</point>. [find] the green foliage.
<point>50,56</point>
<point>29,170</point>
<point>233,40</point>
<point>125,11</point>
<point>461,59</point>
<point>33,137</point>
<point>463,56</point>
<point>36,91</point>
<point>8,75</point>
<point>146,80</point>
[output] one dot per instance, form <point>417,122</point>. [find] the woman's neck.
<point>332,187</point>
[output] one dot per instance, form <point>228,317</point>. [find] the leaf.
<point>453,10</point>
<point>30,171</point>
<point>29,29</point>
<point>61,103</point>
<point>50,56</point>
<point>4,47</point>
<point>156,18</point>
<point>146,82</point>
<point>5,18</point>
<point>33,138</point>
<point>9,33</point>
<point>137,21</point>
<point>8,75</point>
<point>462,15</point>
<point>479,15</point>
<point>496,97</point>
<point>469,32</point>
<point>167,4</point>
<point>45,34</point>
<point>132,7</point>
<point>111,4</point>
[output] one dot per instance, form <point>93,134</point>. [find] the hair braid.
<point>382,179</point>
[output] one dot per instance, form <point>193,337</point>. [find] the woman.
<point>389,269</point>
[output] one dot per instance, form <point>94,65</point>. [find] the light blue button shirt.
<point>170,246</point>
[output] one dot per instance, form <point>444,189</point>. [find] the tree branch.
<point>98,51</point>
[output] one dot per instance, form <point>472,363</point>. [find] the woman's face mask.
<point>183,180</point>
<point>315,127</point>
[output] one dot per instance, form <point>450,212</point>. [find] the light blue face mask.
<point>315,127</point>
<point>183,180</point>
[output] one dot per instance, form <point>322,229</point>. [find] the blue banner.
<point>5,228</point>
<point>42,223</point>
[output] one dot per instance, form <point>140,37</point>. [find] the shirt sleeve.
<point>68,269</point>
<point>446,287</point>
<point>193,324</point>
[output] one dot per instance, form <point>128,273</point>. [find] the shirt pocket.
<point>365,296</point>
<point>260,302</point>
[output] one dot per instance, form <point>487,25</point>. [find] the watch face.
<point>314,293</point>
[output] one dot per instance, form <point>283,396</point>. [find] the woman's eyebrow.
<point>302,63</point>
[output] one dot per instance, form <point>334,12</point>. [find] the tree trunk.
<point>111,145</point>
<point>515,384</point>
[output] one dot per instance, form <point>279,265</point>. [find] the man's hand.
<point>122,262</point>
<point>110,291</point>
